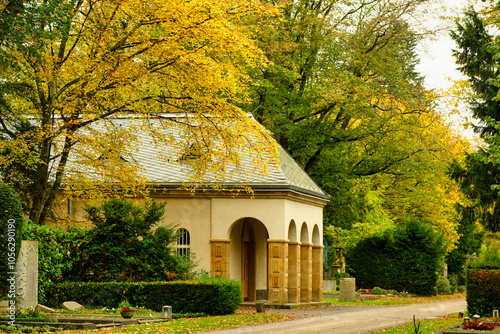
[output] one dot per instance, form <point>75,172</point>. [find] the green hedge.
<point>213,296</point>
<point>483,291</point>
<point>406,259</point>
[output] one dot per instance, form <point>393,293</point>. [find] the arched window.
<point>183,242</point>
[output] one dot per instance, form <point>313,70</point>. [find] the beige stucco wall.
<point>220,218</point>
<point>227,211</point>
<point>302,213</point>
<point>193,214</point>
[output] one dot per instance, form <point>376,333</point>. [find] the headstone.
<point>347,291</point>
<point>329,285</point>
<point>45,309</point>
<point>72,306</point>
<point>27,275</point>
<point>260,308</point>
<point>166,311</point>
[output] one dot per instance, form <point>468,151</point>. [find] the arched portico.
<point>248,262</point>
<point>293,264</point>
<point>317,265</point>
<point>305,265</point>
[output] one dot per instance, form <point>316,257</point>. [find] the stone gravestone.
<point>347,291</point>
<point>27,275</point>
<point>329,285</point>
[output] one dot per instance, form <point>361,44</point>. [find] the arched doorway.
<point>249,257</point>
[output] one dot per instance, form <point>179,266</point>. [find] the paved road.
<point>355,320</point>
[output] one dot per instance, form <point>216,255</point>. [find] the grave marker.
<point>347,291</point>
<point>27,275</point>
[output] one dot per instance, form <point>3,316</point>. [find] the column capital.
<point>294,243</point>
<point>278,241</point>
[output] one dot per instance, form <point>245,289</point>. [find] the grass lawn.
<point>431,325</point>
<point>192,325</point>
<point>208,323</point>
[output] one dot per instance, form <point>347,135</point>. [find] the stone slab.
<point>44,308</point>
<point>72,306</point>
<point>329,285</point>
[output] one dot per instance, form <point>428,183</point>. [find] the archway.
<point>316,237</point>
<point>249,257</point>
<point>292,231</point>
<point>293,264</point>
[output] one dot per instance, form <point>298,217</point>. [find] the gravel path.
<point>350,319</point>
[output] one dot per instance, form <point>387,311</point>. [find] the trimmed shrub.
<point>11,222</point>
<point>213,296</point>
<point>483,291</point>
<point>407,259</point>
<point>378,291</point>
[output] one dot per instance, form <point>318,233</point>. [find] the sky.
<point>437,63</point>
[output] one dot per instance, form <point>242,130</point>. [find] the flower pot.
<point>127,314</point>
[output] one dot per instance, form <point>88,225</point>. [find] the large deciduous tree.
<point>68,64</point>
<point>344,97</point>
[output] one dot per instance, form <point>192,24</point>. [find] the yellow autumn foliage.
<point>93,61</point>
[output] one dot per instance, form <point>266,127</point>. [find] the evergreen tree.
<point>469,241</point>
<point>478,173</point>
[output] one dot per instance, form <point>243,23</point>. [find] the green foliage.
<point>483,290</point>
<point>56,253</point>
<point>477,175</point>
<point>416,326</point>
<point>469,242</point>
<point>135,252</point>
<point>378,291</point>
<point>406,259</point>
<point>214,296</point>
<point>11,222</point>
<point>343,96</point>
<point>443,286</point>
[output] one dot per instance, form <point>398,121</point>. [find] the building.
<point>271,241</point>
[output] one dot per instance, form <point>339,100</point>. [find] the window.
<point>183,242</point>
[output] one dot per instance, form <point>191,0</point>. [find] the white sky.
<point>436,61</point>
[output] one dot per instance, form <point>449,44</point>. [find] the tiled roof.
<point>171,173</point>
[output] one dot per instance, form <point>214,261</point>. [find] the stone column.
<point>220,257</point>
<point>277,271</point>
<point>306,272</point>
<point>27,275</point>
<point>317,273</point>
<point>294,272</point>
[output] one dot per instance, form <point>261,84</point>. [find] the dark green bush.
<point>483,290</point>
<point>213,296</point>
<point>56,255</point>
<point>11,222</point>
<point>406,259</point>
<point>135,252</point>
